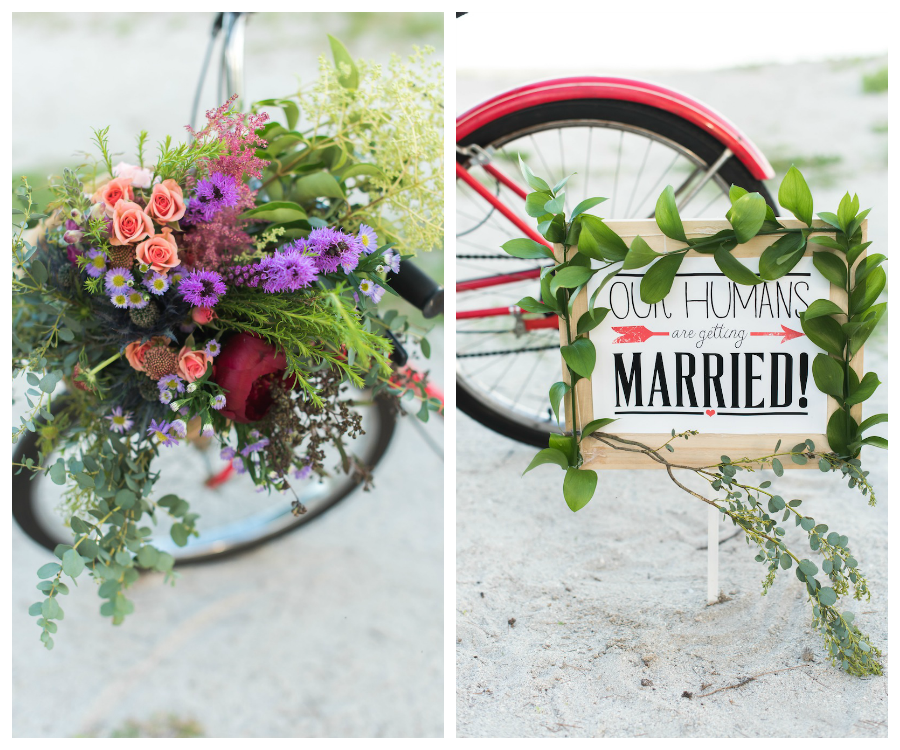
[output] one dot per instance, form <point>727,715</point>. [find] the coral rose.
<point>159,252</point>
<point>192,364</point>
<point>202,315</point>
<point>246,369</point>
<point>135,351</point>
<point>130,224</point>
<point>112,192</point>
<point>166,202</point>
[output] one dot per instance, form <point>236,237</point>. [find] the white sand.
<point>615,594</point>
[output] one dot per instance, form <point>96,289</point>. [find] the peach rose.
<point>135,351</point>
<point>130,224</point>
<point>159,252</point>
<point>112,192</point>
<point>192,364</point>
<point>202,315</point>
<point>166,202</point>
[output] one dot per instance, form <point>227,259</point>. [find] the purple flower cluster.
<point>162,431</point>
<point>292,268</point>
<point>247,275</point>
<point>334,249</point>
<point>202,288</point>
<point>119,421</point>
<point>211,195</point>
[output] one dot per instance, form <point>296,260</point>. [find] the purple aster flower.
<point>170,383</point>
<point>119,300</point>
<point>392,260</point>
<point>227,453</point>
<point>207,430</point>
<point>334,249</point>
<point>254,447</point>
<point>156,283</point>
<point>218,402</point>
<point>161,431</point>
<point>179,428</point>
<point>96,265</point>
<point>304,472</point>
<point>292,268</point>
<point>211,195</point>
<point>136,299</point>
<point>176,274</point>
<point>371,290</point>
<point>165,397</point>
<point>117,279</point>
<point>368,240</point>
<point>238,464</point>
<point>212,348</point>
<point>202,288</point>
<point>120,422</point>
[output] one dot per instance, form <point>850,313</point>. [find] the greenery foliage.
<point>590,247</point>
<point>363,144</point>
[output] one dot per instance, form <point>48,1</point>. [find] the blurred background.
<point>333,630</point>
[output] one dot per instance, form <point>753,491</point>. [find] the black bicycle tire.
<point>23,495</point>
<point>632,114</point>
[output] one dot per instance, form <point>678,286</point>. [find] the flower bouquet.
<point>227,291</point>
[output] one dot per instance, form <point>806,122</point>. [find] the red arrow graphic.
<point>635,334</point>
<point>786,332</point>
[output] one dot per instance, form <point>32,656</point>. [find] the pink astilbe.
<point>208,245</point>
<point>237,132</point>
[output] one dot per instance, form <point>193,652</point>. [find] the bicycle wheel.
<point>625,151</point>
<point>234,518</point>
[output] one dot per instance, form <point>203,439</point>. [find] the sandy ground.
<point>611,626</point>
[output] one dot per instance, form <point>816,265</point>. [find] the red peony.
<point>246,369</point>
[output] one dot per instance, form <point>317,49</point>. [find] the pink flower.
<point>192,364</point>
<point>110,193</point>
<point>166,202</point>
<point>130,223</point>
<point>135,351</point>
<point>139,178</point>
<point>202,315</point>
<point>159,252</point>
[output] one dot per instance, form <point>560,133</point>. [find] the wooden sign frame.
<point>704,449</point>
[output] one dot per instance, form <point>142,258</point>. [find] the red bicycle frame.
<point>582,87</point>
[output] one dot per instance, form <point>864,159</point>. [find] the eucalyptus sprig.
<point>839,331</point>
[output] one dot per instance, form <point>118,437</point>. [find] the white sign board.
<point>713,356</point>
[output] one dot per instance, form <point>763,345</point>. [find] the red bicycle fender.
<point>592,87</point>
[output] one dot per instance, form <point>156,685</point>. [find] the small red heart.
<point>710,412</point>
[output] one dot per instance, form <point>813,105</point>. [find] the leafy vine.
<point>839,331</point>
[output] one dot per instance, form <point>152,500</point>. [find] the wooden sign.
<point>728,360</point>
